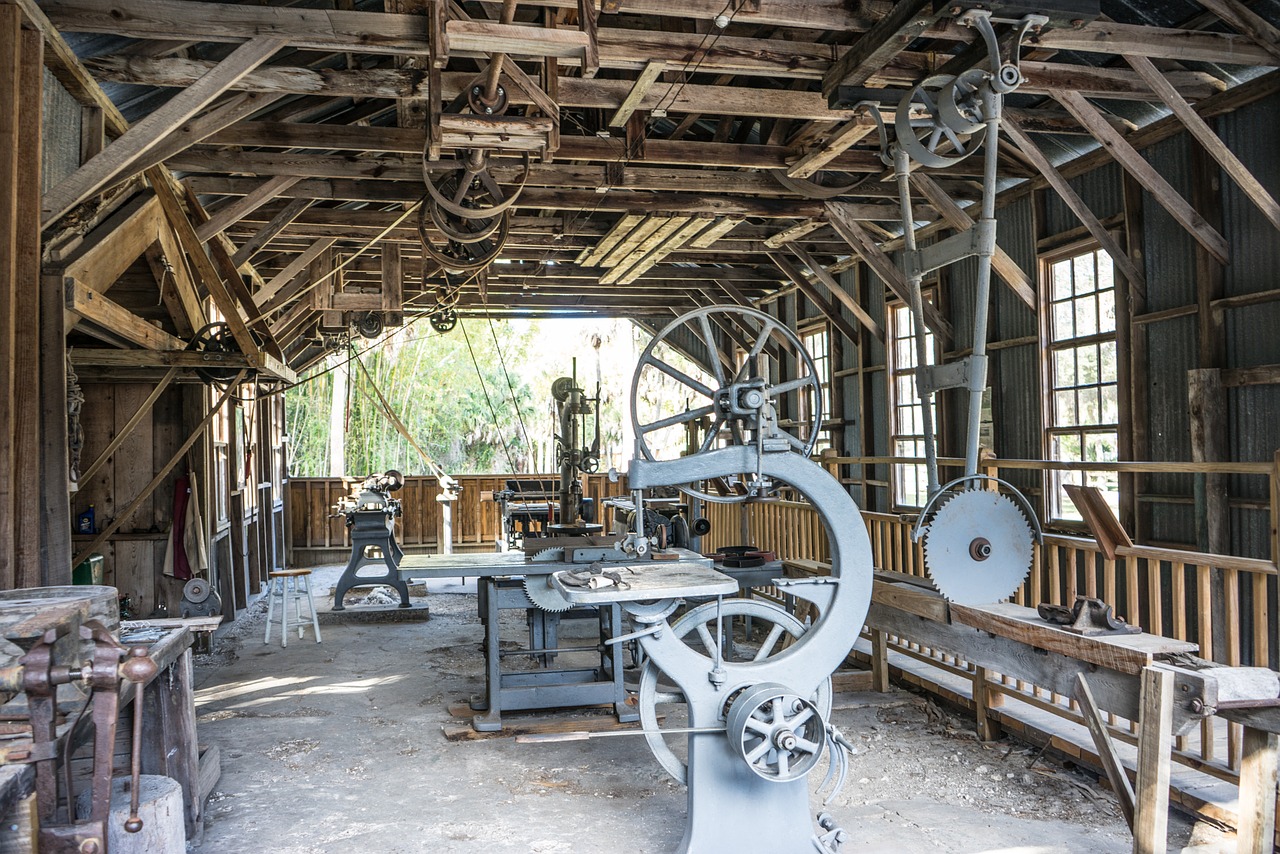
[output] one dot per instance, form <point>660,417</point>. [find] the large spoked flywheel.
<point>737,390</point>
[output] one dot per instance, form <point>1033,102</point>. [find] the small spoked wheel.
<point>779,734</point>
<point>729,388</point>
<point>754,631</point>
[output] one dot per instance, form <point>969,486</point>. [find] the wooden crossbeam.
<point>1248,22</point>
<point>1003,264</point>
<point>794,232</point>
<point>177,20</point>
<point>235,108</point>
<point>116,160</point>
<point>820,273</point>
<point>638,91</point>
<point>1204,134</point>
<point>591,257</point>
<point>116,320</point>
<point>293,269</point>
<point>273,227</point>
<point>873,50</point>
<point>1145,174</point>
<point>113,246</point>
<point>815,295</point>
<point>841,139</point>
<point>846,224</point>
<point>238,209</point>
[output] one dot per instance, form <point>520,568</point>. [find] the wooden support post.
<point>880,661</point>
<point>28,528</point>
<point>10,157</point>
<point>1155,739</point>
<point>1257,811</point>
<point>984,700</point>
<point>169,744</point>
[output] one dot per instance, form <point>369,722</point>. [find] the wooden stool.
<point>290,585</point>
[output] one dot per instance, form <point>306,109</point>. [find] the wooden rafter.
<point>1204,134</point>
<point>795,274</point>
<point>873,50</point>
<point>1142,171</point>
<point>115,161</point>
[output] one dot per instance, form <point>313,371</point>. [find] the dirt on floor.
<point>338,746</point>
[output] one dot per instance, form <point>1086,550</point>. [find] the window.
<point>817,341</point>
<point>1083,414</point>
<point>910,480</point>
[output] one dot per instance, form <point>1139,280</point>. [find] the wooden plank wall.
<point>135,554</point>
<point>475,518</point>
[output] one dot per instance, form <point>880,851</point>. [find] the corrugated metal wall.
<point>1172,345</point>
<point>62,119</point>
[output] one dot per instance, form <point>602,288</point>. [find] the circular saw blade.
<point>540,592</point>
<point>978,548</point>
<point>547,555</point>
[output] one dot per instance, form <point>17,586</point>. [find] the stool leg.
<point>271,606</point>
<point>297,604</point>
<point>284,612</point>
<point>311,603</point>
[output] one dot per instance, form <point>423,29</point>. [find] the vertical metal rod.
<point>902,171</point>
<point>982,309</point>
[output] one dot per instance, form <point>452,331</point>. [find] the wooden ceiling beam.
<point>873,50</point>
<point>538,198</point>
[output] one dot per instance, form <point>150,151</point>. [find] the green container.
<point>89,571</point>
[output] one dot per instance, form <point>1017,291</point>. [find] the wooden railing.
<point>1220,602</point>
<point>313,527</point>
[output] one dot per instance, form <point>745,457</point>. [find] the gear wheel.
<point>540,592</point>
<point>978,548</point>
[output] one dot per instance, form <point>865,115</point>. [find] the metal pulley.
<point>215,343</point>
<point>199,599</point>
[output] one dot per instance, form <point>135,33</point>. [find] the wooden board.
<point>1123,653</point>
<point>513,726</point>
<point>890,589</point>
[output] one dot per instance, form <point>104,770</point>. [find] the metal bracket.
<point>978,240</point>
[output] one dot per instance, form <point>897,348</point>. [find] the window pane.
<point>1110,405</point>
<point>1090,406</point>
<point>1107,354</point>
<point>1101,447</point>
<point>1061,273</point>
<point>1087,364</point>
<point>1086,315</point>
<point>1107,310</point>
<point>1085,279</point>
<point>1064,368</point>
<point>1064,404</point>
<point>1063,321</point>
<point>1106,271</point>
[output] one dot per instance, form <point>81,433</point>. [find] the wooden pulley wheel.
<point>464,229</point>
<point>823,184</point>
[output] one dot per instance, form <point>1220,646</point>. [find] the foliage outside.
<point>434,387</point>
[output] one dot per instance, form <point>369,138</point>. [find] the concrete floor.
<point>337,747</point>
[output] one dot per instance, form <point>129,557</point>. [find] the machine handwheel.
<point>698,627</point>
<point>735,399</point>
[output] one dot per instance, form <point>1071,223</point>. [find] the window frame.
<point>897,471</point>
<point>826,381</point>
<point>1055,499</point>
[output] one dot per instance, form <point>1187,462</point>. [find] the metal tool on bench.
<point>756,724</point>
<point>371,516</point>
<point>68,644</point>
<point>978,544</point>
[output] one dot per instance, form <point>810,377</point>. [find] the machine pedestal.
<point>546,688</point>
<point>363,542</point>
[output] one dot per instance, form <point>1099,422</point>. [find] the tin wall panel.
<point>1170,250</point>
<point>1101,189</point>
<point>61,143</point>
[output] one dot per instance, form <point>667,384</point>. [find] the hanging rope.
<point>391,416</point>
<point>493,413</point>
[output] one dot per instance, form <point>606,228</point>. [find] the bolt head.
<point>91,846</point>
